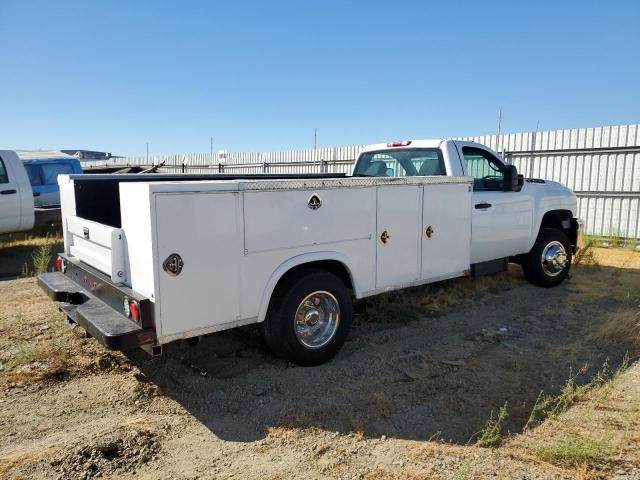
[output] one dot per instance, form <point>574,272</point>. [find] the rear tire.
<point>549,261</point>
<point>308,318</point>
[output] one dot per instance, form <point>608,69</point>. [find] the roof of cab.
<point>399,144</point>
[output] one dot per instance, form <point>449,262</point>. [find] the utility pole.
<point>499,129</point>
<point>315,138</point>
<point>147,152</point>
<point>211,145</point>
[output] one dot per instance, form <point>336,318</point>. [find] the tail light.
<point>61,264</point>
<point>403,143</point>
<point>134,308</point>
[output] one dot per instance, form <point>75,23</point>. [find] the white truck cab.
<point>153,258</point>
<point>16,197</point>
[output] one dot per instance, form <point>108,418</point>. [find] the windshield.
<point>406,162</point>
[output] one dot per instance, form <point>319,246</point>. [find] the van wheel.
<point>549,261</point>
<point>309,317</point>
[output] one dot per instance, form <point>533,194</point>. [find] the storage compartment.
<point>98,196</point>
<point>285,219</point>
<point>203,229</point>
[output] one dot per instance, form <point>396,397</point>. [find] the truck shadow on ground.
<point>440,376</point>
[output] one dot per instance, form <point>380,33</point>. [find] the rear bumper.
<point>111,328</point>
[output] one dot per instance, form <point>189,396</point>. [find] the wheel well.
<point>562,220</point>
<point>332,266</point>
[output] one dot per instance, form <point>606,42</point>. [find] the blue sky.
<point>260,75</point>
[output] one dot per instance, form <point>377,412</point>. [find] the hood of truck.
<point>550,195</point>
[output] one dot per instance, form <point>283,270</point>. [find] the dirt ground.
<point>420,375</point>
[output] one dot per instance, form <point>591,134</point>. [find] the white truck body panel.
<point>16,197</point>
<point>238,238</point>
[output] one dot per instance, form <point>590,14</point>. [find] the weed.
<point>577,452</point>
<point>26,355</point>
<point>42,256</point>
<point>549,406</point>
<point>585,255</point>
<point>591,240</point>
<point>491,433</point>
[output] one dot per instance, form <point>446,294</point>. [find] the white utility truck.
<point>152,259</point>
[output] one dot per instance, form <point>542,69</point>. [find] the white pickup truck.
<point>16,197</point>
<point>152,259</point>
<point>28,192</point>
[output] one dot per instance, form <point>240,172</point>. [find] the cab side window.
<point>487,171</point>
<point>4,176</point>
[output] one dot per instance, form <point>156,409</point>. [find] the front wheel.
<point>309,317</point>
<point>549,261</point>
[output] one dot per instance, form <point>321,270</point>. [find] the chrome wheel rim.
<point>554,258</point>
<point>317,319</point>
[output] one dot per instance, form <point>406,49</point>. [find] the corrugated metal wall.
<point>602,165</point>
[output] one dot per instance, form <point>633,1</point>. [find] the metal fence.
<point>601,165</point>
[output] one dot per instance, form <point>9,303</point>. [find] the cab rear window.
<point>406,162</point>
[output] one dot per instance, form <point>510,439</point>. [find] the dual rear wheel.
<point>309,317</point>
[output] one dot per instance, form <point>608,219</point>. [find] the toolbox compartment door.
<point>446,230</point>
<point>203,230</point>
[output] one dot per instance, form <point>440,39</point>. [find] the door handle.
<point>482,206</point>
<point>8,192</point>
<point>36,194</point>
<point>384,236</point>
<point>429,231</point>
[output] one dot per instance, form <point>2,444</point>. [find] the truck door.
<point>398,234</point>
<point>501,221</point>
<point>10,208</point>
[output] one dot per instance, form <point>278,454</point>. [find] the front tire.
<point>309,317</point>
<point>549,261</point>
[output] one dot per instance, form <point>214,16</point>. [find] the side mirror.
<point>512,181</point>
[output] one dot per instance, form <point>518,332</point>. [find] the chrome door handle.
<point>482,206</point>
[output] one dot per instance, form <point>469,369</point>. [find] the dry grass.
<point>30,239</point>
<point>437,298</point>
<point>624,323</point>
<point>550,406</point>
<point>576,452</point>
<point>15,460</point>
<point>590,437</point>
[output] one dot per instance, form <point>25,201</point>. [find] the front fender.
<point>296,261</point>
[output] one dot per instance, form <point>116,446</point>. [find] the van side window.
<point>487,171</point>
<point>4,176</point>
